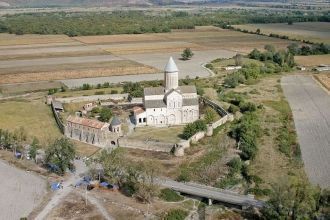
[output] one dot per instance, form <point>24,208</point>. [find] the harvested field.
<point>20,192</point>
<point>34,116</point>
<point>13,39</point>
<point>312,61</point>
<point>59,72</point>
<point>153,47</point>
<point>313,31</point>
<point>310,106</point>
<point>28,87</point>
<point>324,79</point>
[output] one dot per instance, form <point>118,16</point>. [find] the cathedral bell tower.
<point>171,75</point>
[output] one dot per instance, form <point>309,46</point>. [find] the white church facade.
<point>170,104</point>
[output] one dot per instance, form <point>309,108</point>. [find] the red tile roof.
<point>86,122</point>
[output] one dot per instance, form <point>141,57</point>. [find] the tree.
<point>105,114</point>
<point>187,54</point>
<point>255,54</point>
<point>147,186</point>
<point>258,31</point>
<point>210,115</point>
<point>293,48</point>
<point>238,59</point>
<point>291,198</point>
<point>34,147</point>
<point>61,153</point>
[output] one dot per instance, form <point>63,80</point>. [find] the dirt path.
<point>62,193</point>
<point>310,106</point>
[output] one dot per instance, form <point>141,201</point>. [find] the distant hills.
<point>55,3</point>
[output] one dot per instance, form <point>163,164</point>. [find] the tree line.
<point>138,22</point>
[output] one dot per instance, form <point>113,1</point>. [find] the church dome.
<point>115,121</point>
<point>171,66</point>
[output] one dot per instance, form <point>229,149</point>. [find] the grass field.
<point>311,61</point>
<point>167,135</point>
<point>13,89</point>
<point>313,31</point>
<point>34,116</point>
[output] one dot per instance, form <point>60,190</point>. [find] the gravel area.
<point>310,105</point>
<point>20,192</point>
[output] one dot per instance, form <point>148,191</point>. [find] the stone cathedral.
<point>170,104</point>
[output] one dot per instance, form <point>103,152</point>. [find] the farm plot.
<point>12,39</point>
<point>310,106</point>
<point>312,61</point>
<point>20,192</point>
<point>313,31</point>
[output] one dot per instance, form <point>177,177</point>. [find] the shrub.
<point>176,214</point>
<point>86,86</point>
<point>114,92</point>
<point>170,196</point>
<point>192,128</point>
<point>233,109</point>
<point>105,114</point>
<point>247,107</point>
<point>99,93</point>
<point>236,165</point>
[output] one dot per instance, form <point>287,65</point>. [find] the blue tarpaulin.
<point>104,184</point>
<point>55,186</point>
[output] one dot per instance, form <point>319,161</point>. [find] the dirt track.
<point>20,192</point>
<point>310,105</point>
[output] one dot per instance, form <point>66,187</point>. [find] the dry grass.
<point>201,38</point>
<point>324,79</point>
<point>152,47</point>
<point>311,61</point>
<point>84,149</point>
<point>12,39</point>
<point>270,164</point>
<point>74,207</point>
<point>168,135</point>
<point>86,92</point>
<point>88,70</point>
<point>34,116</point>
<point>313,31</point>
<point>28,87</point>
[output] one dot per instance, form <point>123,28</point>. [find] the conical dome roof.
<point>115,121</point>
<point>171,66</point>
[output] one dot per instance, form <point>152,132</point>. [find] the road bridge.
<point>212,193</point>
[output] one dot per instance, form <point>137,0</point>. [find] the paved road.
<point>211,193</point>
<point>310,105</point>
<point>20,192</point>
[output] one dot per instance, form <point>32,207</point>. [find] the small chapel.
<point>169,104</point>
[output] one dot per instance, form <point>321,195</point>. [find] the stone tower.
<point>171,75</point>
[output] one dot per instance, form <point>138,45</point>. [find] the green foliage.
<point>292,199</point>
<point>233,109</point>
<point>187,54</point>
<point>176,214</point>
<point>234,79</point>
<point>105,114</point>
<point>192,128</point>
<point>52,91</point>
<point>114,91</point>
<point>316,49</point>
<point>61,153</point>
<point>200,90</point>
<point>247,107</point>
<point>99,93</point>
<point>170,196</point>
<point>34,147</point>
<point>236,165</point>
<point>134,89</point>
<point>246,131</point>
<point>210,115</point>
<point>86,86</point>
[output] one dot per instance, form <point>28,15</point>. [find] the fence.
<point>57,119</point>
